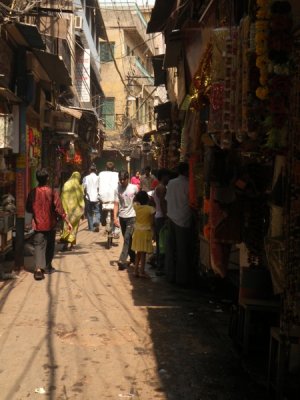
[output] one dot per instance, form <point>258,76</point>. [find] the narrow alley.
<point>91,332</point>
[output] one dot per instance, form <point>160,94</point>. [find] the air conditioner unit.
<point>78,22</point>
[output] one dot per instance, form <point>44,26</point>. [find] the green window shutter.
<point>108,112</point>
<point>107,50</point>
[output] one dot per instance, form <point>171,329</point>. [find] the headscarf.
<point>73,195</point>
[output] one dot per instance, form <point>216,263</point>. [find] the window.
<point>107,51</point>
<point>108,112</point>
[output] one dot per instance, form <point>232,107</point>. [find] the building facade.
<point>49,99</point>
<point>127,72</point>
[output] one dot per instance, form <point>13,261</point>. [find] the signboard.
<point>83,75</point>
<point>20,194</point>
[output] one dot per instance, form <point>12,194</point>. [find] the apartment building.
<point>50,91</point>
<point>127,80</point>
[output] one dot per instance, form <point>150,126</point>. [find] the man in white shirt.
<point>91,189</point>
<point>124,196</point>
<point>108,183</point>
<point>178,249</point>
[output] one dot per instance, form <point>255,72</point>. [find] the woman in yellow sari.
<point>72,197</point>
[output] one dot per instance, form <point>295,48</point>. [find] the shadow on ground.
<point>195,356</point>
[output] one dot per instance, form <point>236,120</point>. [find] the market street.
<point>91,332</point>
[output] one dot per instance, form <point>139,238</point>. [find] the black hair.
<point>110,166</point>
<point>162,172</point>
<point>142,197</point>
<point>183,168</point>
<point>42,176</point>
<point>123,175</point>
<point>147,168</point>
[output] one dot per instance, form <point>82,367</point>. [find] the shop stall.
<point>7,183</point>
<point>240,135</point>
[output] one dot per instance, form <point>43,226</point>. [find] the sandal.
<point>38,275</point>
<point>49,270</point>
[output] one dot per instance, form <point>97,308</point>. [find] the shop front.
<point>239,131</point>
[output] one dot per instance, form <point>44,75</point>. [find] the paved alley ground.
<point>91,332</point>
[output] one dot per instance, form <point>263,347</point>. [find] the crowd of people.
<point>152,212</point>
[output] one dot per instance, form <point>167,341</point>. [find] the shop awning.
<point>87,111</point>
<point>71,111</point>
<point>160,75</point>
<point>92,114</point>
<point>8,95</point>
<point>160,14</point>
<point>54,67</point>
<point>25,35</point>
<point>173,50</point>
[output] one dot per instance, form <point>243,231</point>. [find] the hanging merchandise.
<point>6,131</point>
<point>218,75</point>
<point>229,117</point>
<point>261,47</point>
<point>202,81</point>
<point>216,107</point>
<point>219,36</point>
<point>290,316</point>
<point>242,95</point>
<point>34,146</point>
<point>72,154</point>
<point>273,46</point>
<point>71,151</point>
<point>195,181</point>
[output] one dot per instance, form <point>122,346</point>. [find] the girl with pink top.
<point>135,180</point>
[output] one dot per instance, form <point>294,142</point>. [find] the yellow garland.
<point>262,25</point>
<point>261,46</point>
<point>262,92</point>
<point>262,62</point>
<point>263,13</point>
<point>263,3</point>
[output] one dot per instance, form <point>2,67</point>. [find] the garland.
<point>279,81</point>
<point>202,81</point>
<point>273,46</point>
<point>261,47</point>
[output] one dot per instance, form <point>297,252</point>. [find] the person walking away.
<point>155,181</point>
<point>72,198</point>
<point>108,184</point>
<point>147,180</point>
<point>160,217</point>
<point>123,206</point>
<point>178,246</point>
<point>135,180</point>
<point>44,204</point>
<point>143,232</point>
<point>91,188</point>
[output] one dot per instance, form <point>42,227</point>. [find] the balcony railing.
<point>144,71</point>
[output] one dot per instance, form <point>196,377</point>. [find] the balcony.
<point>134,70</point>
<point>143,71</point>
<point>54,5</point>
